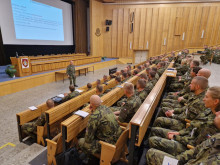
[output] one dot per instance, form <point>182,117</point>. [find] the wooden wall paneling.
<point>171,29</point>
<point>195,34</point>
<point>155,15</point>
<point>188,34</point>
<point>215,27</point>
<point>218,37</point>
<point>114,32</point>
<point>178,28</point>
<point>107,42</point>
<point>159,39</point>
<point>186,11</point>
<point>120,32</point>
<point>209,28</point>
<point>125,33</point>
<point>137,28</point>
<point>130,36</point>
<point>165,30</point>
<point>142,28</point>
<point>148,25</point>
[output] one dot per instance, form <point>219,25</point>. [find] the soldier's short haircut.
<point>201,81</point>
<point>154,69</point>
<point>215,94</point>
<point>72,88</point>
<point>205,72</point>
<point>139,67</point>
<point>195,63</point>
<point>129,73</point>
<point>152,73</point>
<point>99,88</point>
<point>50,103</point>
<point>196,69</point>
<point>129,88</point>
<point>144,76</point>
<point>135,72</point>
<point>148,69</point>
<point>98,81</point>
<point>142,83</point>
<point>118,79</point>
<point>161,64</point>
<point>89,85</point>
<point>125,75</point>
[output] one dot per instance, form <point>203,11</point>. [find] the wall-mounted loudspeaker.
<point>107,29</point>
<point>108,22</point>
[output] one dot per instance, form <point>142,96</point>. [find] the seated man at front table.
<point>30,128</point>
<point>102,125</point>
<point>71,95</point>
<point>129,107</point>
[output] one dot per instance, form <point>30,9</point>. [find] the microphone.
<point>17,55</point>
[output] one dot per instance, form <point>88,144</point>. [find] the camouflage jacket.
<point>182,69</point>
<point>40,121</point>
<point>149,86</point>
<point>157,76</point>
<point>128,110</point>
<point>70,70</point>
<point>194,106</point>
<point>160,71</point>
<point>71,95</point>
<point>102,125</point>
<point>141,94</point>
<point>208,152</point>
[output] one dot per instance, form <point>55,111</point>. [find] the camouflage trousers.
<point>170,146</point>
<point>172,104</point>
<point>155,157</point>
<point>30,129</point>
<point>169,123</point>
<point>114,108</point>
<point>176,86</point>
<point>160,132</point>
<point>89,148</point>
<point>72,80</point>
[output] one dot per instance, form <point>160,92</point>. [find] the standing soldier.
<point>70,71</point>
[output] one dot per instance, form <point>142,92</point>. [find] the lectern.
<point>22,64</point>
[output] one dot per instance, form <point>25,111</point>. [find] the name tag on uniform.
<point>186,111</point>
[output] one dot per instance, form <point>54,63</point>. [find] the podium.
<point>22,65</point>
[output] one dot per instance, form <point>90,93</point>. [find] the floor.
<point>17,102</point>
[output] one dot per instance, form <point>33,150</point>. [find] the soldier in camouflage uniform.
<point>160,68</point>
<point>176,118</point>
<point>216,57</point>
<point>102,125</point>
<point>30,128</point>
<point>140,91</point>
<point>70,71</point>
<point>156,75</point>
<point>99,90</point>
<point>207,153</point>
<point>208,54</point>
<point>71,95</point>
<point>117,81</point>
<point>129,107</point>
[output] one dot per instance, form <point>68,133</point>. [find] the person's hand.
<point>180,78</point>
<point>169,113</point>
<point>171,134</point>
<point>123,103</point>
<point>117,112</point>
<point>180,99</point>
<point>65,94</point>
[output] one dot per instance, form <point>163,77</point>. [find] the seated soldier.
<point>101,125</point>
<point>89,86</point>
<point>139,69</point>
<point>70,95</point>
<point>161,68</point>
<point>135,72</point>
<point>129,107</point>
<point>197,132</point>
<point>208,152</point>
<point>143,76</point>
<point>148,71</point>
<point>105,79</point>
<point>117,81</point>
<point>124,77</point>
<point>98,82</point>
<point>176,117</point>
<point>99,90</point>
<point>30,128</point>
<point>216,57</point>
<point>140,91</point>
<point>129,74</point>
<point>156,75</point>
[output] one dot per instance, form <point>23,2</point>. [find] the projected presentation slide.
<point>37,21</point>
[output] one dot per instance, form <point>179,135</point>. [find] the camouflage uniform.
<point>194,106</point>
<point>141,94</point>
<point>70,71</point>
<point>157,76</point>
<point>30,128</point>
<point>160,71</point>
<point>207,153</point>
<point>128,110</point>
<point>102,125</point>
<point>71,95</point>
<point>216,57</point>
<point>207,57</point>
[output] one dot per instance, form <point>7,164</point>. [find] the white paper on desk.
<point>78,90</point>
<point>81,113</point>
<point>60,95</point>
<point>32,108</point>
<point>169,161</point>
<point>119,86</point>
<point>170,74</point>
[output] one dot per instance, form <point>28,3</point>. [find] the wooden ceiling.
<point>158,1</point>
